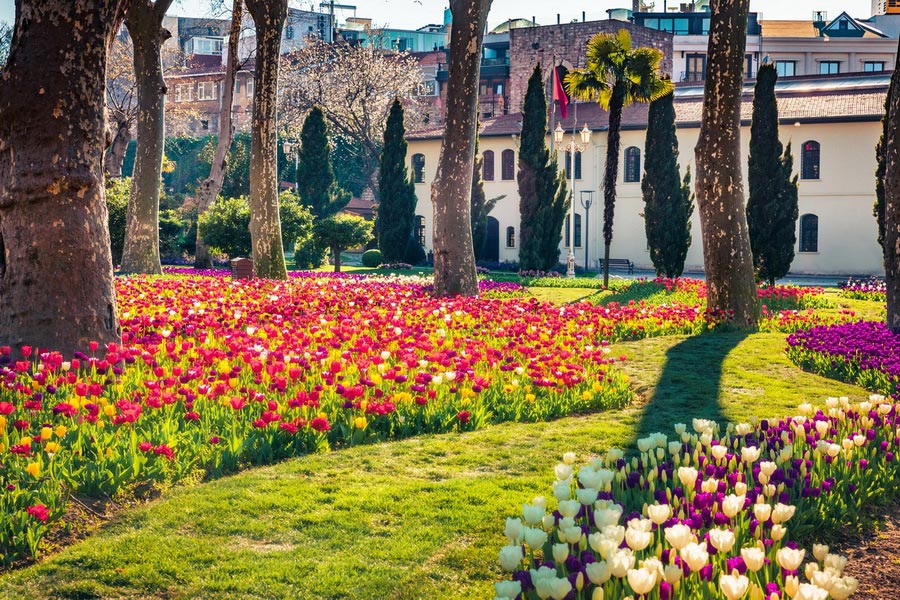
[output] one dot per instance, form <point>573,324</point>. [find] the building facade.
<point>832,123</point>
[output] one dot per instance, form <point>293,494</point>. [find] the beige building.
<point>832,123</point>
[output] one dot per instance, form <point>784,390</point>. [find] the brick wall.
<point>566,43</point>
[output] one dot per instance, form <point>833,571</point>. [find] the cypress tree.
<point>396,193</point>
<point>668,201</point>
<point>315,175</point>
<point>543,199</point>
<point>878,209</point>
<point>772,208</point>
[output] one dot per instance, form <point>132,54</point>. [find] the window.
<point>510,237</point>
<point>809,160</point>
<point>569,165</point>
<point>204,125</point>
<point>203,45</point>
<point>499,89</point>
<point>632,164</point>
<point>289,32</point>
<point>184,92</point>
<point>577,230</point>
<point>206,90</point>
<point>487,168</point>
<point>809,233</point>
<point>873,66</point>
<point>842,25</point>
<point>696,68</point>
<point>249,88</point>
<point>418,166</point>
<point>786,68</point>
<point>508,165</point>
<point>420,230</point>
<point>829,67</point>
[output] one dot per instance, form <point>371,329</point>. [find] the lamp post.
<point>573,148</point>
<point>294,148</point>
<point>587,198</point>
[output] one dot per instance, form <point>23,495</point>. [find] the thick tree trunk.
<point>265,222</point>
<point>212,185</point>
<point>611,173</point>
<point>454,254</point>
<point>115,155</point>
<point>56,280</point>
<point>336,254</point>
<point>892,204</point>
<point>720,191</point>
<point>144,22</point>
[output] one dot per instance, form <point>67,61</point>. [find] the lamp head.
<point>585,135</point>
<point>558,133</point>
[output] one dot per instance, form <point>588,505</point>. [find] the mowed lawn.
<point>412,519</point>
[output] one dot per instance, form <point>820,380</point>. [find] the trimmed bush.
<point>371,258</point>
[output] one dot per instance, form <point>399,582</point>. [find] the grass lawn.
<point>411,519</point>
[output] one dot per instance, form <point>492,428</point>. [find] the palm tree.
<point>616,76</point>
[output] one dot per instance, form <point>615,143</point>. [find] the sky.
<point>411,14</point>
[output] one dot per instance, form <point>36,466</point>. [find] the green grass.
<point>411,519</point>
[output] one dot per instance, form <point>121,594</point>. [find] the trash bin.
<point>242,268</point>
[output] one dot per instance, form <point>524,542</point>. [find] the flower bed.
<point>862,352</point>
<point>213,374</point>
<point>708,513</point>
<point>873,288</point>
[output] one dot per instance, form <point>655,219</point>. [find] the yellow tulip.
<point>33,469</point>
<point>61,431</point>
<point>360,422</point>
<point>109,410</point>
<point>46,433</point>
<point>51,447</point>
<point>25,441</point>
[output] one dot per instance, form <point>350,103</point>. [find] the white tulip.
<point>754,558</point>
<point>721,539</point>
<point>820,551</point>
<point>688,477</point>
<point>569,459</point>
<point>598,572</point>
<point>749,454</point>
<point>569,508</point>
<point>836,562</point>
<point>563,471</point>
<point>561,491</point>
<point>620,562</point>
<point>732,505</point>
<point>514,530</point>
<point>607,516</point>
<point>808,591</point>
<point>844,588</point>
<point>535,538</point>
<point>659,513</point>
<point>695,555</point>
<point>637,539</point>
<point>532,514</point>
<point>511,557</point>
<point>641,580</point>
<point>762,511</point>
<point>782,513</point>
<point>560,552</point>
<point>679,535</point>
<point>790,559</point>
<point>734,586</point>
<point>508,589</point>
<point>560,588</point>
<point>673,573</point>
<point>586,496</point>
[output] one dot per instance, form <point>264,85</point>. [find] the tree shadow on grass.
<point>690,385</point>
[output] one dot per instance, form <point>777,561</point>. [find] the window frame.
<point>809,150</point>
<point>578,170</point>
<point>417,163</point>
<point>808,238</point>
<point>835,63</point>
<point>510,237</point>
<point>420,230</point>
<point>578,237</point>
<point>203,89</point>
<point>487,165</point>
<point>508,165</point>
<point>631,173</point>
<point>868,63</point>
<point>793,68</point>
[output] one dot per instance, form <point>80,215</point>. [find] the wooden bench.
<point>621,264</point>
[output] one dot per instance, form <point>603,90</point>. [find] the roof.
<point>778,28</point>
<point>800,99</point>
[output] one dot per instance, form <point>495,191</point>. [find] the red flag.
<point>559,93</point>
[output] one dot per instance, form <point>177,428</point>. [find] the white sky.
<point>411,14</point>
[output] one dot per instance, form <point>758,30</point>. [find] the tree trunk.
<point>265,222</point>
<point>115,155</point>
<point>144,22</point>
<point>209,189</point>
<point>336,253</point>
<point>611,174</point>
<point>720,191</point>
<point>454,253</point>
<point>892,204</point>
<point>56,279</point>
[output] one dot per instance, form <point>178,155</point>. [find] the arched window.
<point>577,230</point>
<point>809,233</point>
<point>510,237</point>
<point>420,229</point>
<point>809,160</point>
<point>569,165</point>
<point>487,167</point>
<point>418,166</point>
<point>508,165</point>
<point>632,164</point>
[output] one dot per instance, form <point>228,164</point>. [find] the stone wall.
<point>554,44</point>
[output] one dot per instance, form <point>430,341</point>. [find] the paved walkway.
<point>801,280</point>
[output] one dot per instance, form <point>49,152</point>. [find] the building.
<point>195,94</point>
<point>885,7</point>
<point>832,122</point>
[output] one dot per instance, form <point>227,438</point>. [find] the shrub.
<point>309,253</point>
<point>226,225</point>
<point>117,192</point>
<point>341,232</point>
<point>371,258</point>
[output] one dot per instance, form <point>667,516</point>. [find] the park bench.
<point>622,264</point>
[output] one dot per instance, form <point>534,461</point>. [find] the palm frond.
<point>585,85</point>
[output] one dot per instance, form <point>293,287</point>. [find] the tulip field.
<point>215,376</point>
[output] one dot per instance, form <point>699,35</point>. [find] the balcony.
<point>698,76</point>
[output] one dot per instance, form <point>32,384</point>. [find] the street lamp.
<point>587,198</point>
<point>573,148</point>
<point>293,147</point>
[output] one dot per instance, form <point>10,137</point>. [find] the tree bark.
<point>720,191</point>
<point>56,279</point>
<point>115,155</point>
<point>265,222</point>
<point>336,254</point>
<point>144,22</point>
<point>212,185</point>
<point>611,174</point>
<point>892,204</point>
<point>454,254</point>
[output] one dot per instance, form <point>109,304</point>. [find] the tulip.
<point>532,514</point>
<point>508,589</point>
<point>790,559</point>
<point>514,530</point>
<point>782,513</point>
<point>734,586</point>
<point>807,591</point>
<point>560,588</point>
<point>620,562</point>
<point>762,511</point>
<point>679,535</point>
<point>820,551</point>
<point>732,505</point>
<point>598,572</point>
<point>659,513</point>
<point>641,580</point>
<point>511,557</point>
<point>637,539</point>
<point>695,555</point>
<point>754,558</point>
<point>535,538</point>
<point>722,539</point>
